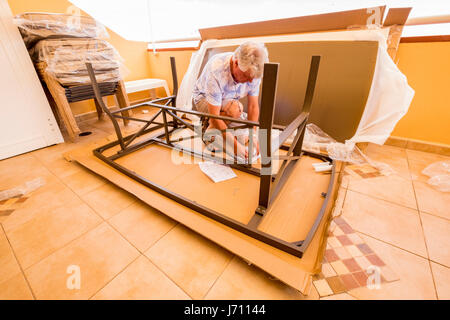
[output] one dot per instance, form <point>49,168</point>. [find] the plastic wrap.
<point>38,26</point>
<point>21,190</point>
<point>439,173</point>
<point>66,60</point>
<point>317,141</point>
<point>389,97</point>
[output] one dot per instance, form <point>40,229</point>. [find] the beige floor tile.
<point>442,280</point>
<point>327,270</point>
<point>106,125</point>
<point>414,272</point>
<point>142,225</point>
<point>242,281</point>
<point>191,261</point>
<point>83,181</point>
<point>9,266</point>
<point>392,156</point>
<point>391,188</point>
<point>323,288</point>
<point>431,200</point>
<point>363,262</point>
<point>50,230</point>
<point>16,171</point>
<point>354,251</point>
<point>416,167</point>
<point>49,154</point>
<point>16,288</point>
<point>425,156</point>
<point>342,253</point>
<point>62,168</point>
<point>336,230</point>
<point>339,267</point>
<point>385,221</point>
<point>23,160</point>
<point>96,134</point>
<point>108,200</point>
<point>334,242</point>
<point>141,280</point>
<point>51,195</point>
<point>340,296</point>
<point>437,235</point>
<point>355,238</point>
<point>100,255</point>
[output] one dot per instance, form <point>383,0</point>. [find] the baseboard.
<point>419,145</point>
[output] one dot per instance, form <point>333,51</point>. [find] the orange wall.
<point>134,53</point>
<point>427,67</point>
<point>160,66</point>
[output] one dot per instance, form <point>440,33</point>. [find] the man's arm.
<point>227,136</point>
<point>253,108</point>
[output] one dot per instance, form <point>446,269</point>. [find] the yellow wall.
<point>160,66</point>
<point>427,67</point>
<point>134,53</point>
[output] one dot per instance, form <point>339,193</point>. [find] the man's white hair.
<point>252,56</point>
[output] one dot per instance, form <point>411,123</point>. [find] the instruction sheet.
<point>216,172</point>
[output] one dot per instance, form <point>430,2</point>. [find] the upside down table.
<point>275,214</point>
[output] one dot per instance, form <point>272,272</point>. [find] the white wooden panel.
<point>26,119</point>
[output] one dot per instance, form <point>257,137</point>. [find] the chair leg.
<point>122,98</point>
<point>64,110</point>
<point>99,109</point>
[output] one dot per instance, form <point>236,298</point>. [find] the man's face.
<point>239,75</point>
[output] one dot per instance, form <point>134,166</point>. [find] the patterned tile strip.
<point>348,262</point>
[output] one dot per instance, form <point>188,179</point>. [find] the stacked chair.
<point>60,45</point>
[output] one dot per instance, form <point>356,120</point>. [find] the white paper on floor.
<point>217,172</point>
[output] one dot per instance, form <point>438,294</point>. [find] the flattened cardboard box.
<point>290,217</point>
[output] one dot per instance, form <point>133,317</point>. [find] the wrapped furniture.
<point>60,45</point>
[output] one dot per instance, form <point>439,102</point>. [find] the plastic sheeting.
<point>61,44</point>
<point>439,173</point>
<point>22,190</point>
<point>66,60</point>
<point>38,26</point>
<point>389,97</point>
<point>317,141</point>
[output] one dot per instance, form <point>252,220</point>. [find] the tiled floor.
<point>349,263</point>
<point>125,250</point>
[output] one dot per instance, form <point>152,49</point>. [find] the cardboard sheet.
<point>289,218</point>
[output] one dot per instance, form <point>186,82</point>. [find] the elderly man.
<point>226,78</point>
